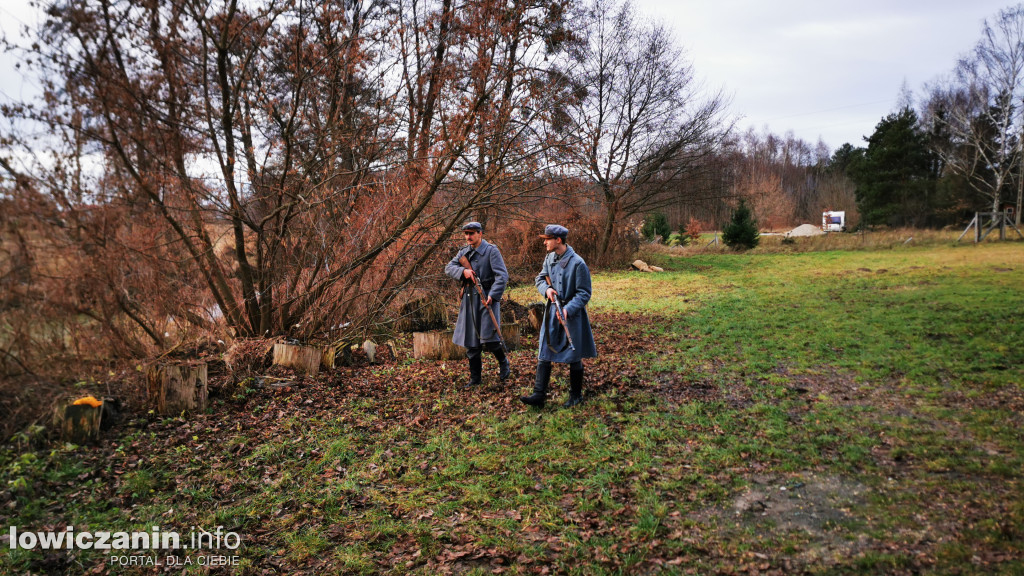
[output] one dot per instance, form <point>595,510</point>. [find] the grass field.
<point>835,412</point>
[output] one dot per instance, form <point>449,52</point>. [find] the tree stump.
<point>81,423</point>
<point>304,358</point>
<point>177,388</point>
<point>438,345</point>
<point>327,361</point>
<point>535,314</point>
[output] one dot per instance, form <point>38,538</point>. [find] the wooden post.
<point>1009,222</point>
<point>304,358</point>
<point>991,226</point>
<point>976,224</point>
<point>177,388</point>
<point>81,423</point>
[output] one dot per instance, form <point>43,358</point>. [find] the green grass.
<point>881,389</point>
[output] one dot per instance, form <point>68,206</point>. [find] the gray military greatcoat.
<point>570,277</point>
<point>474,325</point>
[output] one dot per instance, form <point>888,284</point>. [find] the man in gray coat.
<point>565,276</point>
<point>474,329</point>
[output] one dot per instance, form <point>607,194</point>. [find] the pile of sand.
<point>805,230</point>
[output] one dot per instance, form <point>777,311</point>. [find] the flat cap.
<point>472,226</point>
<point>555,231</point>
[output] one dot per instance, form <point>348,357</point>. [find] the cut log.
<point>177,388</point>
<point>304,358</point>
<point>328,359</point>
<point>438,345</point>
<point>81,423</point>
<point>535,314</point>
<point>511,333</point>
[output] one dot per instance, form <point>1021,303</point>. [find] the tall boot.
<point>540,387</point>
<point>575,388</point>
<point>504,370</point>
<point>475,367</point>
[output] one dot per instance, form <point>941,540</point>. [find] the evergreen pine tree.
<point>741,232</point>
<point>656,224</point>
<point>895,175</point>
<point>684,237</point>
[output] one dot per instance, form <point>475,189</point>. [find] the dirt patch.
<point>1009,398</point>
<point>816,506</point>
<point>677,388</point>
<point>808,502</point>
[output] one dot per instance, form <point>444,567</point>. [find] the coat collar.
<point>564,260</point>
<point>484,246</point>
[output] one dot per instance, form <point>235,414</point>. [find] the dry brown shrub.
<point>520,246</point>
<point>248,357</point>
<point>25,400</point>
<point>421,310</point>
<point>585,221</point>
<point>694,228</point>
<point>585,237</point>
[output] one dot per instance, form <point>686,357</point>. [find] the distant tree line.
<point>784,180</point>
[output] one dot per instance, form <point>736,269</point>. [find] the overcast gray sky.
<point>821,68</point>
<point>14,14</point>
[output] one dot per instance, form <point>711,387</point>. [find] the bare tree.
<point>293,163</point>
<point>641,120</point>
<point>980,108</point>
<point>785,178</point>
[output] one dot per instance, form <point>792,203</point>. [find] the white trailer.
<point>833,221</point>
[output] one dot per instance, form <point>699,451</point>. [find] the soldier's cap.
<point>472,226</point>
<point>555,231</point>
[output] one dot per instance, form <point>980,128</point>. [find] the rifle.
<point>560,314</point>
<point>483,299</point>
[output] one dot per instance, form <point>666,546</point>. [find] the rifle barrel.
<point>561,314</point>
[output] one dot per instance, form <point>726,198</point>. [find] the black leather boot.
<point>540,387</point>
<point>475,367</point>
<point>575,388</point>
<point>504,370</point>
